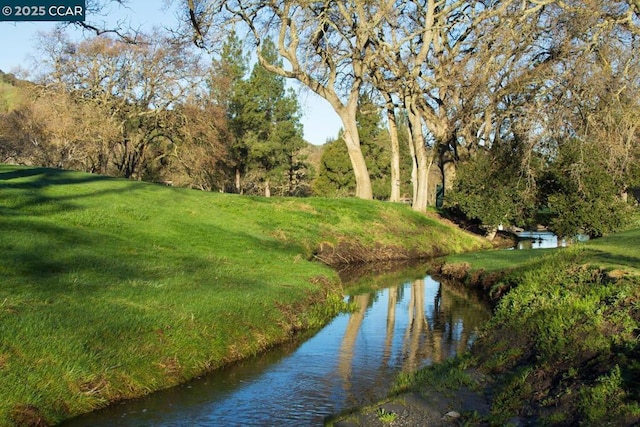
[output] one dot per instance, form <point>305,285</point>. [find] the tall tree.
<point>227,75</point>
<point>58,129</point>
<point>564,106</point>
<point>200,157</point>
<point>375,146</point>
<point>138,84</point>
<point>267,122</point>
<point>324,45</point>
<point>335,177</point>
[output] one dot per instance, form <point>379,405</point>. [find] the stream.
<point>352,361</point>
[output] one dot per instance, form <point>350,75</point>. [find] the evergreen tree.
<point>272,133</point>
<point>489,189</point>
<point>581,194</point>
<point>335,175</point>
<point>229,72</point>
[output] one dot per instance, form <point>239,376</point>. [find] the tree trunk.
<point>414,167</point>
<point>448,162</point>
<point>449,173</point>
<point>237,182</point>
<point>424,166</point>
<point>422,160</point>
<point>395,155</point>
<point>352,139</point>
<point>267,188</point>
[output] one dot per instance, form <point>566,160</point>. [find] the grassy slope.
<point>112,289</point>
<point>562,346</point>
<point>9,97</point>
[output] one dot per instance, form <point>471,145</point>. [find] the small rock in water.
<point>452,414</point>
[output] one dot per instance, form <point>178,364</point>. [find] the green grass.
<point>111,289</point>
<point>9,97</point>
<point>499,260</point>
<point>439,377</point>
<point>616,251</point>
<point>562,345</point>
<point>386,416</point>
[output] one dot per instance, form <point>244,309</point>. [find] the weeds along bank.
<point>562,347</point>
<point>563,344</point>
<point>112,289</point>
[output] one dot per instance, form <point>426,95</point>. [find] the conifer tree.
<point>266,121</point>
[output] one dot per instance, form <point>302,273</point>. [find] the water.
<point>352,361</point>
<point>544,240</point>
<point>539,240</point>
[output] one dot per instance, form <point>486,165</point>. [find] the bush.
<point>585,196</point>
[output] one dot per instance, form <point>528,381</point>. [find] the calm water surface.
<point>545,240</point>
<point>352,361</point>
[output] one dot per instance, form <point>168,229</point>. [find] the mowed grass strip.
<point>619,251</point>
<point>110,289</point>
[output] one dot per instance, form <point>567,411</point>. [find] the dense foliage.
<point>151,111</point>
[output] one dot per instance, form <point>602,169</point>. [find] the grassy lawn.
<point>500,259</point>
<point>616,251</point>
<point>111,289</point>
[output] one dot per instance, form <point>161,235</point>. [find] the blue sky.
<point>18,49</point>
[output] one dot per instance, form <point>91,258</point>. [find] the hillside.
<point>9,92</point>
<point>112,288</point>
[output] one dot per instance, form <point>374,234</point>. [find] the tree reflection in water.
<point>434,322</point>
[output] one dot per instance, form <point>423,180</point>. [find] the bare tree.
<point>138,84</point>
<point>468,73</point>
<point>462,70</point>
<point>565,88</point>
<point>596,89</point>
<point>392,123</point>
<point>199,154</point>
<point>58,129</point>
<point>324,46</point>
<point>420,52</point>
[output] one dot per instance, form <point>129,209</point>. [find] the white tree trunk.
<point>237,181</point>
<point>395,156</point>
<point>414,167</point>
<point>423,160</point>
<point>352,139</point>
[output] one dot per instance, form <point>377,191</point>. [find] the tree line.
<point>520,110</point>
<point>153,110</point>
<point>524,106</point>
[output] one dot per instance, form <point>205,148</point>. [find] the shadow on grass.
<point>37,251</point>
<point>29,185</point>
<point>613,258</point>
<point>40,250</point>
<point>49,256</point>
<point>48,176</point>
